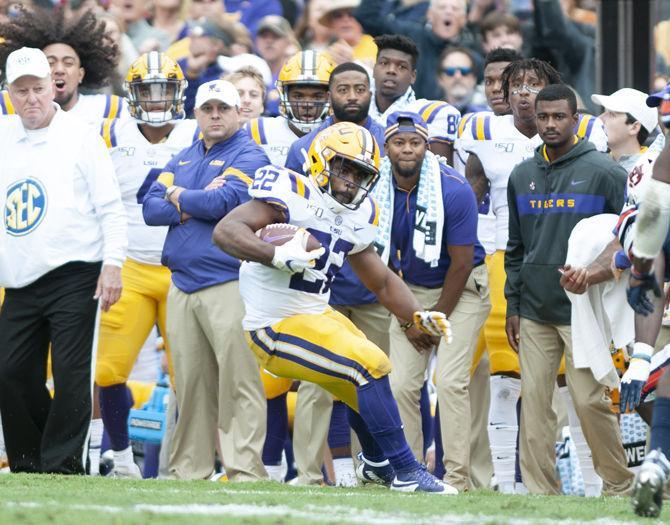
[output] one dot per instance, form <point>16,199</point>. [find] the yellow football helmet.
<point>347,142</point>
<point>307,68</point>
<point>155,85</point>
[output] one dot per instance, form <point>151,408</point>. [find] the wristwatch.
<point>170,191</point>
<point>406,326</point>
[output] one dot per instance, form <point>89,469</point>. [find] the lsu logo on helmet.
<point>346,142</point>
<point>307,68</point>
<point>155,85</point>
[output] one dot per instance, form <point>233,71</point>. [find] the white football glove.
<point>433,323</point>
<point>635,377</point>
<point>292,257</point>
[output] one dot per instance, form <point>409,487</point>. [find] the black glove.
<point>638,286</point>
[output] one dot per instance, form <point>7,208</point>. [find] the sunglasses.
<point>525,87</point>
<point>451,71</point>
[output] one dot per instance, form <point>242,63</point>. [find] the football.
<point>281,233</point>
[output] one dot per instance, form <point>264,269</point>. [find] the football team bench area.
<point>58,500</point>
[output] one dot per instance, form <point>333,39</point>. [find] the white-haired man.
<point>62,245</point>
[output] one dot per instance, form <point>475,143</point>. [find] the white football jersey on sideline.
<point>442,119</point>
<point>501,146</point>
<point>138,163</point>
<point>90,108</point>
<point>274,135</point>
<point>306,206</point>
<point>486,219</point>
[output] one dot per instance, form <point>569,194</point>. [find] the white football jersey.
<point>641,172</point>
<point>442,119</point>
<point>271,295</point>
<point>486,220</point>
<point>90,108</point>
<point>138,163</point>
<point>500,147</point>
<point>274,135</point>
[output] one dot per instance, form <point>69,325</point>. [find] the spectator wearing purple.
<point>253,11</point>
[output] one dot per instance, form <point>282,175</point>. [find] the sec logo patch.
<point>25,207</point>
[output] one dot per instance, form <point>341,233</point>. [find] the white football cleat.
<point>420,480</point>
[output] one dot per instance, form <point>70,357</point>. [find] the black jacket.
<point>370,15</point>
<point>572,47</point>
<point>546,201</point>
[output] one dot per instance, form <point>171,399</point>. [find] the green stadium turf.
<point>60,500</point>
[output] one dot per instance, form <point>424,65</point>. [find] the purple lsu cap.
<point>405,122</point>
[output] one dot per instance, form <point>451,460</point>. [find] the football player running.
<point>140,147</point>
<point>289,325</point>
<point>651,234</point>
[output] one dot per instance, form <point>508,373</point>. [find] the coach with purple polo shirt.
<point>217,380</point>
<point>428,232</point>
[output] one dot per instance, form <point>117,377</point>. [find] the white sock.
<point>345,475</point>
<point>276,472</point>
<point>123,457</point>
<point>94,444</point>
<point>503,429</point>
<point>520,488</point>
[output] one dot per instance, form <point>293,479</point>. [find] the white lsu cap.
<point>26,61</point>
<point>220,90</point>
<point>631,101</point>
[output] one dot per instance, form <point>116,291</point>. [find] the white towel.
<point>429,217</point>
<point>601,315</point>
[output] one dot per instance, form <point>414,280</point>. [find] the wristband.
<point>642,351</point>
<point>406,326</point>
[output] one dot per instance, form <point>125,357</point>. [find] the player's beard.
<point>407,172</point>
<point>343,115</point>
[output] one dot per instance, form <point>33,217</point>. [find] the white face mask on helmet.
<point>307,68</point>
<point>155,85</point>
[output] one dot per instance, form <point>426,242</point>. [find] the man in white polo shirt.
<point>62,244</point>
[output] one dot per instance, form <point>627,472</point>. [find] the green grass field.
<point>100,501</point>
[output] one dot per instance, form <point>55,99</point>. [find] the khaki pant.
<point>481,465</point>
<point>452,375</point>
<point>540,350</point>
<point>314,405</point>
<point>217,383</point>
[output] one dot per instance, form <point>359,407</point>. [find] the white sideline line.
<point>326,513</point>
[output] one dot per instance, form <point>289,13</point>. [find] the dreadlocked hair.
<point>542,69</point>
<point>40,28</point>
